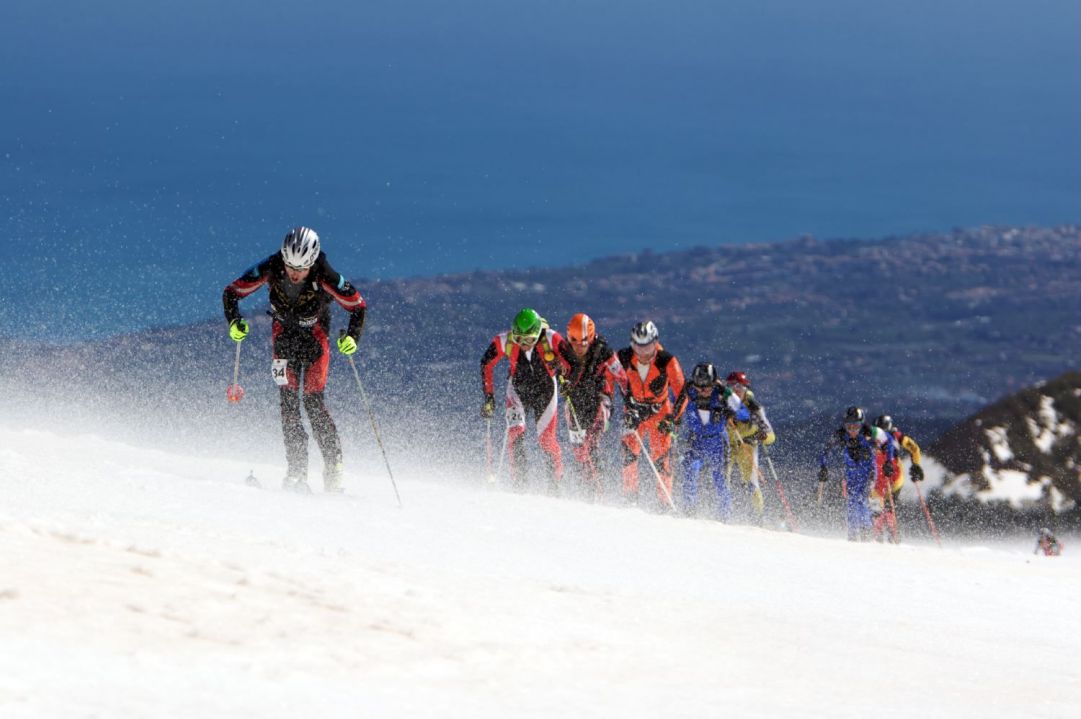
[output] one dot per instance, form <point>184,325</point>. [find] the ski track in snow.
<point>138,583</point>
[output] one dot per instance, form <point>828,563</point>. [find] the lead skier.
<point>302,285</point>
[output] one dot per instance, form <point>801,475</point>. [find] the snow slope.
<point>137,583</point>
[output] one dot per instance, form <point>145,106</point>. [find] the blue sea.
<point>152,151</point>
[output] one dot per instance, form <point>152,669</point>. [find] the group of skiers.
<point>873,474</point>
<point>585,371</point>
<point>722,423</point>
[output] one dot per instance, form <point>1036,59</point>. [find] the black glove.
<point>823,474</point>
<point>917,473</point>
<point>488,408</point>
<point>752,404</point>
<point>666,426</point>
<point>887,470</point>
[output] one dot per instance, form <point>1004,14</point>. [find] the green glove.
<point>488,408</point>
<point>347,345</point>
<point>238,330</point>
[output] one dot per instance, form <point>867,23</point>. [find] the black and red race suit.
<point>588,386</point>
<point>300,334</point>
<point>531,386</point>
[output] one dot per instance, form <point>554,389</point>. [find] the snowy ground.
<point>138,583</point>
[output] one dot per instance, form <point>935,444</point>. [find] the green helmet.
<point>527,324</point>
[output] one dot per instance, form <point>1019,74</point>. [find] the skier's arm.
<point>910,446</point>
<point>883,440</point>
<point>765,434</point>
<point>614,375</point>
<point>737,410</point>
<point>347,297</point>
<point>559,348</point>
<point>243,286</point>
<point>676,383</point>
<point>681,400</point>
<point>491,358</point>
<point>831,443</point>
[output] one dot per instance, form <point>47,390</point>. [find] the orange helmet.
<point>581,328</point>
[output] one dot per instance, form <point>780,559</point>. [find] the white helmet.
<point>644,332</point>
<point>300,248</point>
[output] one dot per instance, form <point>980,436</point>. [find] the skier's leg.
<point>515,414</point>
<point>326,433</point>
<point>546,434</point>
<point>690,468</point>
<point>717,451</point>
<point>631,448</point>
<point>859,480</point>
<point>296,439</point>
<point>660,449</point>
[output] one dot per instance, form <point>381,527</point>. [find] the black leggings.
<point>296,439</point>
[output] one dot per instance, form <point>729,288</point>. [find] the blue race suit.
<point>860,471</point>
<point>706,417</point>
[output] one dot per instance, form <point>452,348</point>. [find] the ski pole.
<point>502,452</point>
<point>375,428</point>
<point>234,392</point>
<point>660,482</point>
<point>888,489</point>
<point>488,451</point>
<point>927,513</point>
<point>780,491</point>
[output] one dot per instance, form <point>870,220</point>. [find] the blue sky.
<point>151,151</point>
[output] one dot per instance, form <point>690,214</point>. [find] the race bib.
<point>278,370</point>
<point>515,416</point>
<point>577,436</point>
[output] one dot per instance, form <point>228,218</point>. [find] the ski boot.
<point>296,483</point>
<point>333,478</point>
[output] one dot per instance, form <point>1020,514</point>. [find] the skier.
<point>1048,544</point>
<point>588,386</point>
<point>745,438</point>
<point>882,505</point>
<point>301,284</point>
<point>858,440</point>
<point>535,355</point>
<point>654,378</point>
<point>710,406</point>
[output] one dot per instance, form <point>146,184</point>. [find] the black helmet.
<point>704,375</point>
<point>884,422</point>
<point>854,415</point>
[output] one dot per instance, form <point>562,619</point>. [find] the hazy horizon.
<point>152,153</point>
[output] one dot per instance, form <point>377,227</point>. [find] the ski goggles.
<point>526,340</point>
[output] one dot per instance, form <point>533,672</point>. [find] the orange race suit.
<point>648,408</point>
